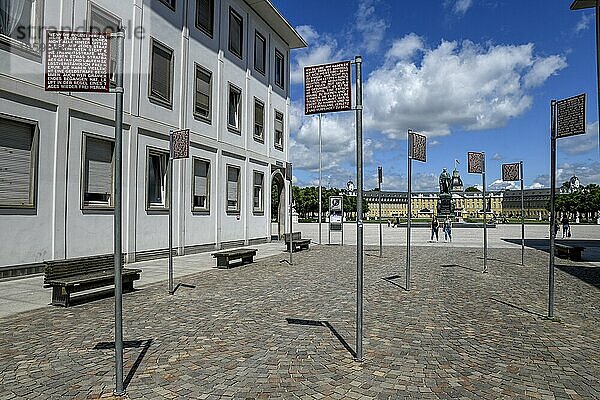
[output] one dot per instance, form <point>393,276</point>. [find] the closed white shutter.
<point>161,73</point>
<point>16,157</point>
<point>99,155</point>
<point>232,184</point>
<point>200,178</point>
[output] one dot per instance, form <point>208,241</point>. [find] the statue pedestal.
<point>445,206</point>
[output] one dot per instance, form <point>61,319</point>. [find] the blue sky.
<point>470,75</point>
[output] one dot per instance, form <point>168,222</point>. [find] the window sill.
<point>280,148</point>
<point>157,209</point>
<point>203,119</point>
<point>234,130</point>
<point>259,71</point>
<point>16,47</point>
<point>258,212</point>
<point>233,212</point>
<point>260,140</point>
<point>160,102</point>
<point>200,211</point>
<point>206,32</point>
<point>17,207</point>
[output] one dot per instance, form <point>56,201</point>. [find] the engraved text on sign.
<point>77,61</point>
<point>570,118</point>
<point>327,88</point>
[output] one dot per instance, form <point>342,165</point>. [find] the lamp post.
<point>580,5</point>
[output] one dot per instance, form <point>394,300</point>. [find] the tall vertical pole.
<point>359,214</point>
<point>484,219</point>
<point>170,188</point>
<point>291,217</point>
<point>320,178</point>
<point>379,174</point>
<point>552,208</point>
<point>119,390</point>
<point>409,208</point>
<point>522,216</point>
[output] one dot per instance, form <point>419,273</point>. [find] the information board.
<point>511,172</point>
<point>180,144</point>
<point>570,116</point>
<point>77,61</point>
<point>327,88</point>
<point>476,162</point>
<point>418,146</point>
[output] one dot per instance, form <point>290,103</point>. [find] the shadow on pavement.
<point>518,308</point>
<point>459,266</point>
<point>310,322</point>
<point>588,274</point>
<point>390,279</point>
<point>128,344</point>
<point>591,252</point>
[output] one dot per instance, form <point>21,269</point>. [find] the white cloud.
<point>405,47</point>
<point>581,144</point>
<point>584,22</point>
<point>461,6</point>
<point>321,49</point>
<point>455,85</point>
<point>536,185</point>
<point>497,157</point>
<point>369,26</point>
<point>542,69</point>
<point>499,184</point>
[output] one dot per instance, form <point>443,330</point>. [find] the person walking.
<point>434,228</point>
<point>566,226</point>
<point>448,229</point>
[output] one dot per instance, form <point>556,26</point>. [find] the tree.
<point>472,189</point>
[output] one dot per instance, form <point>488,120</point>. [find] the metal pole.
<point>359,216</point>
<point>119,390</point>
<point>170,212</point>
<point>380,228</point>
<point>320,177</point>
<point>484,219</point>
<point>522,216</point>
<point>291,236</point>
<point>552,209</point>
<point>409,208</point>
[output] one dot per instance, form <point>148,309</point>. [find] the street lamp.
<point>580,5</point>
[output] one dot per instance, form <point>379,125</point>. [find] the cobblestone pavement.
<point>271,330</point>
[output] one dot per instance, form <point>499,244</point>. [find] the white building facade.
<point>217,67</point>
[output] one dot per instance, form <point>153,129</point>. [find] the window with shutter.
<point>233,189</point>
<point>259,120</point>
<point>257,194</point>
<point>205,16</point>
<point>278,130</point>
<point>234,117</point>
<point>202,106</point>
<point>17,163</point>
<point>236,31</point>
<point>156,179</point>
<point>279,68</point>
<point>161,74</point>
<point>98,172</point>
<point>201,185</point>
<point>260,46</point>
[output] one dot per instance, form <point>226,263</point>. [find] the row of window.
<point>161,91</point>
<point>205,15</point>
<point>18,155</point>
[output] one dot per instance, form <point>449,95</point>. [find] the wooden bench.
<point>223,257</point>
<point>79,274</point>
<point>297,241</point>
<point>572,252</point>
